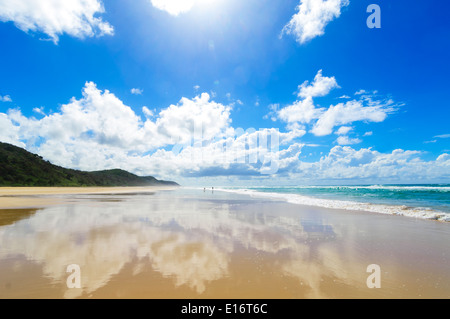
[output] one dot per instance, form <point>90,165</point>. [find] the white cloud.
<point>9,133</point>
<point>147,112</point>
<point>177,7</point>
<point>303,111</point>
<point>368,133</point>
<point>361,92</point>
<point>5,98</point>
<point>346,163</point>
<point>99,131</point>
<point>77,18</point>
<point>39,110</point>
<point>178,123</point>
<point>194,138</point>
<point>174,7</point>
<point>345,140</point>
<point>444,158</point>
<point>368,108</point>
<point>443,136</point>
<point>352,111</point>
<point>234,101</point>
<point>321,86</point>
<point>312,18</point>
<point>272,115</point>
<point>196,87</point>
<point>249,153</point>
<point>341,163</point>
<point>343,130</point>
<point>136,91</point>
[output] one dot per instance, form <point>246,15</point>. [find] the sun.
<point>176,7</point>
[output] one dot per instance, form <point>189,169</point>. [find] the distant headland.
<point>21,168</point>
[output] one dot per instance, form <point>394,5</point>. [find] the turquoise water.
<point>428,201</point>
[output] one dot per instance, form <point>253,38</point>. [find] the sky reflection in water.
<point>194,239</point>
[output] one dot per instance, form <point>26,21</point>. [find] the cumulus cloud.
<point>39,110</point>
<point>365,164</point>
<point>136,91</point>
<point>304,110</point>
<point>444,158</point>
<point>345,140</point>
<point>240,153</point>
<point>147,112</point>
<point>178,123</point>
<point>349,112</point>
<point>9,133</point>
<point>368,108</point>
<point>5,98</point>
<point>312,18</point>
<point>344,130</point>
<point>77,18</point>
<point>194,138</point>
<point>99,130</point>
<point>321,86</point>
<point>361,92</point>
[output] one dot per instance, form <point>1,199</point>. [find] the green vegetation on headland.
<point>19,167</point>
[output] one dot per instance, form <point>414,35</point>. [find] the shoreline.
<point>345,205</point>
<point>34,197</point>
<point>38,197</point>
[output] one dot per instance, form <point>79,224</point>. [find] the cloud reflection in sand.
<point>191,242</point>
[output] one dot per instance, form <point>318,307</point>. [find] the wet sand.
<point>27,197</point>
<point>190,244</point>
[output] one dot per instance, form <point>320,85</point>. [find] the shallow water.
<point>195,244</point>
<point>428,201</point>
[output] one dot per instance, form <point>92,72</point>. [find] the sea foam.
<point>401,210</point>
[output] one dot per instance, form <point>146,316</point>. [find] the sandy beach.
<point>181,243</point>
<point>26,197</point>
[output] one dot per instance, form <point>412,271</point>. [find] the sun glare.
<point>176,7</point>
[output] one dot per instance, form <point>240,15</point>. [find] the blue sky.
<point>94,85</point>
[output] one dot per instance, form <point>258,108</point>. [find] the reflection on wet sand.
<point>10,216</point>
<point>178,244</point>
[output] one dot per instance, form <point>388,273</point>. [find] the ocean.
<point>431,201</point>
